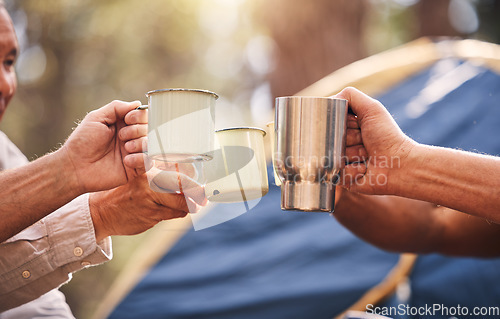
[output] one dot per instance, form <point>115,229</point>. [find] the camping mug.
<point>310,149</point>
<point>181,125</point>
<point>237,172</point>
<point>272,137</point>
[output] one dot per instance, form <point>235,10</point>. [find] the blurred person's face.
<point>8,53</point>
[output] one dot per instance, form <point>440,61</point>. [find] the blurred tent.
<point>273,264</point>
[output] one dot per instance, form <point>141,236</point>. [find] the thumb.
<point>114,111</point>
<point>361,104</point>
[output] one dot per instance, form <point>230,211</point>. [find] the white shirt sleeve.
<point>43,256</point>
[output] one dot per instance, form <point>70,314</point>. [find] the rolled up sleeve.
<point>43,256</point>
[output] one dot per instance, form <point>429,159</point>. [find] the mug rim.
<point>182,89</point>
<point>298,97</point>
<point>243,128</point>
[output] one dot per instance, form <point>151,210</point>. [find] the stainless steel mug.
<point>310,149</point>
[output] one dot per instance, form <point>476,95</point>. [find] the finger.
<point>356,153</point>
<point>192,206</point>
<point>172,206</point>
<point>138,145</point>
<point>176,205</point>
<point>122,110</point>
<point>187,169</point>
<point>112,112</point>
<point>174,201</point>
<point>353,137</point>
<point>352,121</point>
<point>136,117</point>
<point>351,173</point>
<point>136,161</point>
<point>172,181</point>
<point>173,213</point>
<point>361,104</point>
<point>131,132</point>
<point>165,166</point>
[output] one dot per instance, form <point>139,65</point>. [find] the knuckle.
<point>144,129</point>
<point>131,145</point>
<point>178,202</point>
<point>116,102</point>
<point>129,118</point>
<point>349,90</point>
<point>144,144</point>
<point>123,133</point>
<point>177,214</point>
<point>136,129</point>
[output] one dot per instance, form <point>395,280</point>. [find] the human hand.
<point>134,136</point>
<point>163,177</point>
<point>134,207</point>
<point>97,149</point>
<point>375,146</point>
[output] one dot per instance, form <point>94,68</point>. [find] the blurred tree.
<point>313,39</point>
<point>92,52</point>
<point>434,19</point>
<point>39,100</point>
<point>489,18</point>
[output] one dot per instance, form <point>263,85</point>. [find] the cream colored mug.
<point>237,172</point>
<point>181,125</point>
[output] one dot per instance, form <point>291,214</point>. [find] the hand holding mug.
<point>134,207</point>
<point>376,146</point>
<point>96,149</point>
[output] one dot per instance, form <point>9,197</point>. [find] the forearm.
<point>389,222</point>
<point>460,180</point>
<point>43,256</point>
<point>466,235</point>
<point>32,191</point>
<point>405,225</point>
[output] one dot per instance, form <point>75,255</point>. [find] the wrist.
<point>95,207</point>
<point>68,171</point>
<point>409,160</point>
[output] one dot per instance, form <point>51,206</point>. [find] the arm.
<point>393,164</point>
<point>43,256</point>
<point>91,159</point>
<point>32,191</point>
<point>464,181</point>
<point>134,208</point>
<point>407,225</point>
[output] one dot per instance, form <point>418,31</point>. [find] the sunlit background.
<point>79,55</point>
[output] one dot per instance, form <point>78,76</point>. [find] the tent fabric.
<point>268,263</point>
<point>265,263</point>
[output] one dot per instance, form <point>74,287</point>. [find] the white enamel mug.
<point>181,125</point>
<point>237,172</point>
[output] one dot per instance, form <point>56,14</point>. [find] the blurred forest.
<point>79,55</point>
